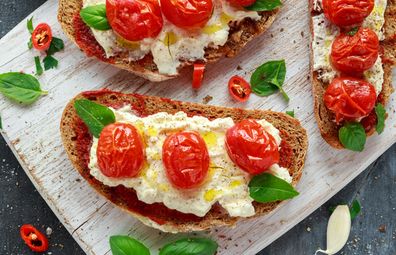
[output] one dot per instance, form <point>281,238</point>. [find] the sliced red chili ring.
<point>239,88</point>
<point>42,37</point>
<point>33,238</point>
<point>198,74</point>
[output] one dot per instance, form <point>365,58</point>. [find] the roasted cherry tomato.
<point>347,12</point>
<point>355,53</point>
<point>198,74</point>
<point>251,147</point>
<point>42,37</point>
<point>239,88</point>
<point>186,159</point>
<point>134,20</point>
<point>33,238</point>
<point>120,151</point>
<point>243,3</point>
<point>187,13</point>
<point>350,98</point>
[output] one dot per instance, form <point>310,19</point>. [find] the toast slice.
<point>77,140</point>
<point>324,117</point>
<point>240,34</point>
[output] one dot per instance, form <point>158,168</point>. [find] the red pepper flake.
<point>33,238</point>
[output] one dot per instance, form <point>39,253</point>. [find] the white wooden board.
<point>33,133</point>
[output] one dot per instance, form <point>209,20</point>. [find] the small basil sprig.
<point>50,62</point>
<point>353,31</point>
<point>264,5</point>
<point>380,112</point>
<point>39,68</point>
<point>290,113</point>
<point>190,246</point>
<point>352,136</point>
<point>95,116</point>
<point>266,187</point>
<point>56,45</point>
<point>124,245</point>
<point>30,29</point>
<point>269,78</point>
<point>354,209</point>
<point>95,17</point>
<point>20,87</point>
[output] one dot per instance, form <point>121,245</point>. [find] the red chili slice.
<point>42,37</point>
<point>33,238</point>
<point>198,74</point>
<point>239,88</point>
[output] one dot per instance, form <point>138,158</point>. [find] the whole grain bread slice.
<point>294,143</point>
<point>324,117</point>
<point>239,35</point>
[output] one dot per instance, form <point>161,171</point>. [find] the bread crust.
<point>290,128</point>
<point>324,117</point>
<point>240,34</point>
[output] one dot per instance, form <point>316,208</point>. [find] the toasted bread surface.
<point>240,34</point>
<point>294,138</point>
<point>324,117</point>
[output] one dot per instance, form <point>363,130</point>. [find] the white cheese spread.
<point>173,44</point>
<point>226,183</point>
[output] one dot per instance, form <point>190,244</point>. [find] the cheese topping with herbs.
<point>226,183</point>
<point>174,45</point>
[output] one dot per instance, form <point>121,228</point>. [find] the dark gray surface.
<point>374,188</point>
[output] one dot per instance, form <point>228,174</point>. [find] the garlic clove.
<point>338,230</point>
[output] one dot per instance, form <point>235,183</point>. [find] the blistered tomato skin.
<point>350,98</point>
<point>134,20</point>
<point>187,14</point>
<point>186,159</point>
<point>345,13</point>
<point>357,53</point>
<point>120,151</point>
<point>251,147</point>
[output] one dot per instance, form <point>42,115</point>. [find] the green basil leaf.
<point>266,187</point>
<point>355,209</point>
<point>190,246</point>
<point>264,5</point>
<point>50,62</point>
<point>55,46</point>
<point>269,78</point>
<point>30,44</point>
<point>380,112</point>
<point>95,16</point>
<point>20,87</point>
<point>30,25</point>
<point>125,245</point>
<point>39,68</point>
<point>290,113</point>
<point>352,136</point>
<point>353,31</point>
<point>94,115</point>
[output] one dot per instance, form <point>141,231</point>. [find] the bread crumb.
<point>308,229</point>
<point>207,99</point>
<point>382,228</point>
